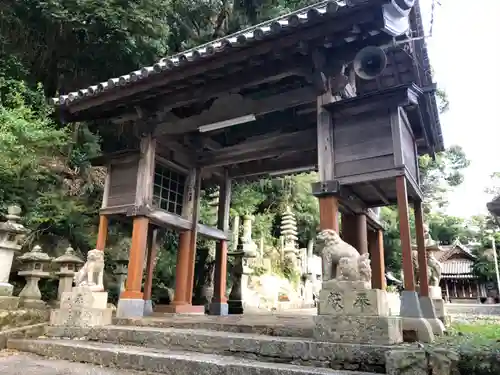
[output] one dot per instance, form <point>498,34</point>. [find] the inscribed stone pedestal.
<point>82,307</point>
<point>350,312</point>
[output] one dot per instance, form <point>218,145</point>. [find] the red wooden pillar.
<point>361,234</point>
<point>404,229</point>
<point>219,304</point>
<point>348,226</point>
<point>181,271</point>
<point>136,259</point>
<point>150,267</point>
<point>376,249</point>
<point>329,213</point>
<point>422,254</point>
<point>102,233</point>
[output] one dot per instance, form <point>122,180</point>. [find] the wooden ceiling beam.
<point>255,170</point>
<point>272,146</point>
<point>256,107</point>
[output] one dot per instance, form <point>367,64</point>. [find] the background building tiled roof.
<point>457,269</point>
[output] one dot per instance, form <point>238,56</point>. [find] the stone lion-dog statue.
<point>92,272</point>
<point>340,260</point>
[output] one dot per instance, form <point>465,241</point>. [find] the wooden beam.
<point>167,219</point>
<point>379,193</point>
<point>257,155</point>
<point>264,167</point>
<point>257,107</point>
<point>260,149</point>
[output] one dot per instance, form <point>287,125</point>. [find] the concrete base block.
<point>130,308</point>
<point>218,308</point>
<point>9,303</point>
<point>382,330</point>
<point>429,314</point>
<point>148,307</point>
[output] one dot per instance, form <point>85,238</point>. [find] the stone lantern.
<point>121,272</point>
<point>68,264</point>
<point>11,236</point>
<point>32,269</point>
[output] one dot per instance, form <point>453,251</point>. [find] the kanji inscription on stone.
<point>362,301</point>
<point>335,300</point>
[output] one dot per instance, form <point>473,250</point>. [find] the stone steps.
<point>279,325</point>
<point>297,351</point>
<point>161,361</point>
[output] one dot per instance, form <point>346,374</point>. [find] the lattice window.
<point>168,190</point>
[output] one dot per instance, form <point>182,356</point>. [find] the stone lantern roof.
<point>12,225</point>
<point>35,255</point>
<point>68,257</point>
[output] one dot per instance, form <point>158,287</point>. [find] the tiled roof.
<point>457,269</point>
<point>245,37</point>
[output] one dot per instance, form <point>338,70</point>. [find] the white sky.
<point>467,66</point>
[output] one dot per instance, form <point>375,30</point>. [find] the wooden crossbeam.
<point>260,149</point>
<point>258,108</point>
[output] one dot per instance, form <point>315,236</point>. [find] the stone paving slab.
<point>23,364</point>
<point>163,361</point>
<point>298,351</point>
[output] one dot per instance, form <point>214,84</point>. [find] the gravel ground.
<point>14,363</point>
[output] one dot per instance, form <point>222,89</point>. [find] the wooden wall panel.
<point>122,184</point>
<point>363,144</point>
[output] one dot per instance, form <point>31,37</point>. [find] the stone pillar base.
<point>429,313</point>
<point>148,307</point>
<point>218,308</point>
<point>348,312</point>
<point>9,303</point>
<point>181,309</point>
<point>415,327</point>
<point>130,308</point>
<point>82,308</point>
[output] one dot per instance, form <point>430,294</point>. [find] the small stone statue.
<point>92,272</point>
<point>340,260</point>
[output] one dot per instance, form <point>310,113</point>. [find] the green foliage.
<point>477,345</point>
<point>440,174</point>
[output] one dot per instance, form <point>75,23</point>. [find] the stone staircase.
<point>188,345</point>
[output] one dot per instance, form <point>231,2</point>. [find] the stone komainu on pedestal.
<point>91,274</point>
<point>87,303</point>
<point>349,310</point>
